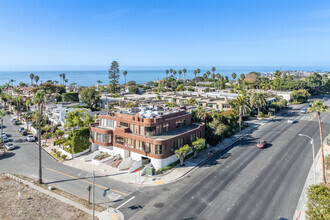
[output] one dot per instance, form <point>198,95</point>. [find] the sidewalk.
<point>300,213</point>
<point>172,175</point>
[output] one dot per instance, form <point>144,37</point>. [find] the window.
<point>193,137</point>
<point>93,135</point>
<point>134,128</point>
<point>150,131</point>
<point>158,129</point>
<point>180,123</point>
<point>99,137</point>
<point>107,138</point>
<point>119,140</point>
<point>139,145</point>
<point>142,130</point>
<point>165,127</point>
<point>225,106</point>
<point>159,149</point>
<point>129,142</point>
<point>124,124</point>
<point>177,144</point>
<point>148,147</point>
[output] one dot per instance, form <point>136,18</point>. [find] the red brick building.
<point>150,134</point>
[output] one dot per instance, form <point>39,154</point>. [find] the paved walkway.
<point>300,213</point>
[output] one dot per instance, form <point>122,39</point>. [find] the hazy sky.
<point>90,34</point>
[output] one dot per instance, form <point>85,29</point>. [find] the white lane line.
<point>125,202</point>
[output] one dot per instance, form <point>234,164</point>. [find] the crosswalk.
<point>310,116</point>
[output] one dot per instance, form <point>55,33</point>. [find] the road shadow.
<point>268,145</point>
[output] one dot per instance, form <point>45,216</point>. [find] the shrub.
<point>54,150</point>
<point>318,206</point>
<point>260,114</point>
<point>70,97</point>
<point>80,140</point>
<point>64,157</point>
<point>134,89</point>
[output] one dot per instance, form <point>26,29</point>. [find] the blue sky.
<point>55,35</point>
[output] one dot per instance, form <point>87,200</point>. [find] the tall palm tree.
<point>171,71</point>
<point>39,98</point>
<point>318,107</point>
<point>99,81</point>
<point>184,73</point>
<point>180,72</point>
<point>36,78</point>
<point>242,76</point>
<point>61,75</point>
<point>12,82</point>
<point>201,113</point>
<point>241,104</point>
<point>27,104</point>
<point>125,73</point>
<point>174,72</point>
<point>198,71</point>
<point>31,77</point>
<point>233,75</point>
<point>213,77</point>
<point>258,99</point>
<point>213,69</point>
<point>166,72</point>
<point>205,76</point>
<point>65,81</point>
<point>2,114</point>
<point>208,73</point>
<point>18,100</point>
<point>218,78</point>
<point>195,73</point>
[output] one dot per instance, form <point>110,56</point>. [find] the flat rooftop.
<point>171,134</point>
<point>150,111</point>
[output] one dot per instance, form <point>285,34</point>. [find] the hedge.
<point>80,140</point>
<point>70,97</point>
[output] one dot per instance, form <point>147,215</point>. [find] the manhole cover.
<point>159,205</point>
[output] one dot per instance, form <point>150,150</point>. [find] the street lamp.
<point>312,143</point>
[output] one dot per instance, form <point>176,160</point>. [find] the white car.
<point>30,138</point>
<point>292,121</point>
<point>9,146</point>
<point>4,136</point>
<point>303,110</point>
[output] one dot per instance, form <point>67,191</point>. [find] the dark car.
<point>24,132</point>
<point>261,144</point>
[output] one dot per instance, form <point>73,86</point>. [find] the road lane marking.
<point>86,181</point>
<point>125,203</point>
<point>313,116</point>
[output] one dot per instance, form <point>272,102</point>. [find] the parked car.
<point>261,144</point>
<point>4,136</point>
<point>6,140</point>
<point>20,129</point>
<point>325,99</point>
<point>12,119</point>
<point>24,132</point>
<point>9,146</point>
<point>303,110</point>
<point>292,121</point>
<point>30,138</point>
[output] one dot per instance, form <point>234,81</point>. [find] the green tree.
<point>31,77</point>
<point>180,88</point>
<point>241,105</point>
<point>2,115</point>
<point>18,100</point>
<point>318,107</point>
<point>259,100</point>
<point>198,145</point>
<point>192,100</point>
<point>59,137</point>
<point>36,78</point>
<point>125,73</point>
<point>218,78</point>
<point>90,96</point>
<point>166,72</point>
<point>300,95</point>
<point>180,72</point>
<point>233,75</point>
<point>213,77</point>
<point>184,73</point>
<point>182,152</point>
<point>134,89</point>
<point>114,75</point>
<point>198,71</point>
<point>318,205</point>
<point>98,81</point>
<point>242,76</point>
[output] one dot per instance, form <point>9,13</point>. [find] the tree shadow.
<point>7,155</point>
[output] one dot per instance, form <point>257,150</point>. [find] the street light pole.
<point>312,142</point>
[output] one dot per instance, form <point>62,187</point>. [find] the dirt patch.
<point>32,204</point>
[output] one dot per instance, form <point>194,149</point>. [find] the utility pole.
<point>240,118</point>
<point>39,142</point>
<point>93,191</point>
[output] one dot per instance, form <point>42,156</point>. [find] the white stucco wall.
<point>160,163</point>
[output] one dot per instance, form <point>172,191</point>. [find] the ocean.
<point>88,78</point>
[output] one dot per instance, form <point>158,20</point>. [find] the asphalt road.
<point>245,182</point>
<point>24,160</point>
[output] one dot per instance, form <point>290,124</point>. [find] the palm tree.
<point>61,75</point>
<point>171,71</point>
<point>218,77</point>
<point>318,107</point>
<point>213,69</point>
<point>233,75</point>
<point>27,104</point>
<point>2,114</point>
<point>99,81</point>
<point>180,72</point>
<point>184,73</point>
<point>208,73</point>
<point>166,72</point>
<point>242,76</point>
<point>205,76</point>
<point>195,73</point>
<point>258,99</point>
<point>198,71</point>
<point>39,98</point>
<point>213,77</point>
<point>31,77</point>
<point>201,113</point>
<point>36,78</point>
<point>125,73</point>
<point>174,72</point>
<point>12,82</point>
<point>18,100</point>
<point>55,82</point>
<point>241,104</point>
<point>66,81</point>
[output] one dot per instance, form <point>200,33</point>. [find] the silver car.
<point>292,121</point>
<point>9,146</point>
